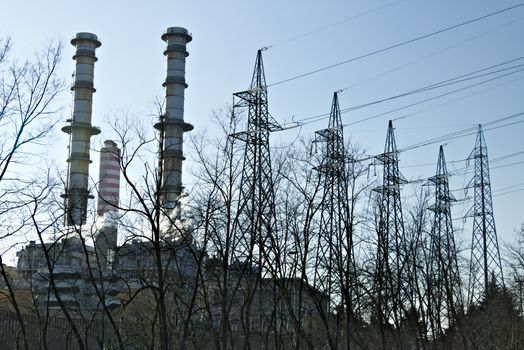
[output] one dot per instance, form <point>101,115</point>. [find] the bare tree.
<point>28,90</point>
<point>161,262</point>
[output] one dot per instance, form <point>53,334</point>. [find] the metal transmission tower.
<point>444,286</point>
<point>334,264</point>
<point>390,288</point>
<point>256,212</point>
<point>485,265</point>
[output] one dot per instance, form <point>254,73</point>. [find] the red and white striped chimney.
<point>108,178</point>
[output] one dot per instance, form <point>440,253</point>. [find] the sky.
<point>301,37</point>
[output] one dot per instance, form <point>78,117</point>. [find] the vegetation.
<point>201,282</point>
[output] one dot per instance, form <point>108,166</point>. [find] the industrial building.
<point>83,290</point>
<point>69,273</point>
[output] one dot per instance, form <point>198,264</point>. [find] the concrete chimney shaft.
<point>80,129</point>
<point>171,124</point>
<point>108,178</point>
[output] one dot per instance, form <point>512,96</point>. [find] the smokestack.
<point>171,124</point>
<point>108,178</point>
<point>80,130</point>
<point>108,195</point>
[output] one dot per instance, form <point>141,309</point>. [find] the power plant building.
<point>107,258</point>
<point>92,279</point>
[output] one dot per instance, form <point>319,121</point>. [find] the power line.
<point>432,98</point>
<point>431,164</point>
<point>457,134</point>
<point>466,77</point>
<point>433,53</point>
<point>442,139</point>
<point>462,133</point>
<point>425,36</point>
<point>456,99</point>
<point>440,84</point>
<point>509,192</point>
<point>506,165</point>
<point>466,170</point>
<point>507,156</point>
<point>300,36</point>
<point>453,100</point>
<point>508,187</point>
<point>465,132</point>
<point>444,83</point>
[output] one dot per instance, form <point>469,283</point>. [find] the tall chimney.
<point>106,236</point>
<point>108,178</point>
<point>80,130</point>
<point>171,124</point>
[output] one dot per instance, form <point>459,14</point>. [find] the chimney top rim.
<point>86,36</point>
<point>111,143</point>
<point>177,31</point>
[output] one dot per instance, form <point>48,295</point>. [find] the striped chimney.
<point>80,130</point>
<point>108,178</point>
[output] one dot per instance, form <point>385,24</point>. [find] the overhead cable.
<point>462,42</point>
<point>425,36</point>
<point>300,36</point>
<point>447,82</point>
<point>466,132</point>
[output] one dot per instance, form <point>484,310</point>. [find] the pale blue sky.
<point>226,35</point>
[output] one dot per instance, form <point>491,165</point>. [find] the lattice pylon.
<point>255,240</point>
<point>390,288</point>
<point>444,286</point>
<point>485,264</point>
<point>256,210</point>
<point>334,259</point>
